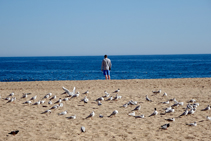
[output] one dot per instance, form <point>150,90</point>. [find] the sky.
<point>98,27</point>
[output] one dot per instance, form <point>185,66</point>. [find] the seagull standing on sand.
<point>59,101</point>
<point>132,114</point>
<point>33,98</point>
<point>99,103</point>
<point>154,113</point>
<point>83,129</point>
<point>192,124</point>
<point>54,97</point>
<point>50,102</point>
<point>148,98</point>
<point>165,126</point>
<point>91,115</point>
<point>113,113</point>
<point>28,102</point>
<point>185,113</point>
<point>170,119</point>
<point>156,92</point>
<point>208,118</point>
<point>207,108</point>
<point>165,94</point>
<point>86,92</point>
<point>46,112</point>
<point>12,94</point>
<point>63,113</point>
<point>71,117</point>
<point>86,99</point>
<point>117,91</point>
<point>137,108</point>
<point>141,116</point>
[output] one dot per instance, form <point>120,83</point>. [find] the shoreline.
<point>33,125</point>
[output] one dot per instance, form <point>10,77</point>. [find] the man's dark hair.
<point>105,56</point>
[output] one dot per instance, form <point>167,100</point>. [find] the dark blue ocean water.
<point>88,67</point>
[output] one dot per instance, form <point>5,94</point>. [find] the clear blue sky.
<point>98,27</point>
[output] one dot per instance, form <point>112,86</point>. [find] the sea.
<point>89,67</point>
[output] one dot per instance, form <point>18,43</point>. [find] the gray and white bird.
<point>99,103</point>
<point>137,108</point>
<point>111,98</point>
<point>117,91</point>
<point>91,115</point>
<point>34,97</point>
<point>209,118</point>
<point>184,113</point>
<point>192,124</point>
<point>132,114</point>
<point>207,108</point>
<point>154,113</point>
<point>165,94</point>
<point>86,92</point>
<point>147,98</point>
<point>28,102</point>
<point>54,97</point>
<point>11,94</point>
<point>71,117</point>
<point>141,116</point>
<point>46,112</point>
<point>83,129</point>
<point>85,99</point>
<point>156,92</point>
<point>50,102</point>
<point>114,113</point>
<point>170,119</point>
<point>165,126</point>
<point>58,101</point>
<point>63,113</point>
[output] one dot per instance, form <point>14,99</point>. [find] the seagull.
<point>173,99</point>
<point>156,92</point>
<point>91,115</point>
<point>86,92</point>
<point>207,108</point>
<point>165,126</point>
<point>101,116</point>
<point>125,105</point>
<point>169,111</point>
<point>63,113</point>
<point>54,97</point>
<point>83,129</point>
<point>59,101</point>
<point>60,105</point>
<point>65,99</point>
<point>166,102</point>
<point>141,116</point>
<point>33,98</point>
<point>107,95</point>
<point>47,111</point>
<point>100,99</point>
<point>192,111</point>
<point>192,124</point>
<point>192,101</point>
<point>11,100</point>
<point>14,132</point>
<point>54,107</point>
<point>85,99</point>
<point>165,94</point>
<point>42,101</point>
<point>148,98</point>
<point>168,108</point>
<point>170,119</point>
<point>118,97</point>
<point>132,114</point>
<point>25,95</point>
<point>68,92</point>
<point>154,113</point>
<point>11,94</point>
<point>117,91</point>
<point>185,113</point>
<point>99,103</point>
<point>46,96</point>
<point>208,118</point>
<point>111,98</point>
<point>132,102</point>
<point>37,103</point>
<point>181,103</point>
<point>27,102</point>
<point>50,102</point>
<point>7,98</point>
<point>137,108</point>
<point>71,117</point>
<point>113,113</point>
<point>76,95</point>
<point>50,94</point>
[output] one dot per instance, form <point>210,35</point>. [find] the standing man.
<point>106,67</point>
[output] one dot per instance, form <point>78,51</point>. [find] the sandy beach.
<point>33,125</point>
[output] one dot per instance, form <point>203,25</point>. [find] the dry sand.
<point>36,126</point>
